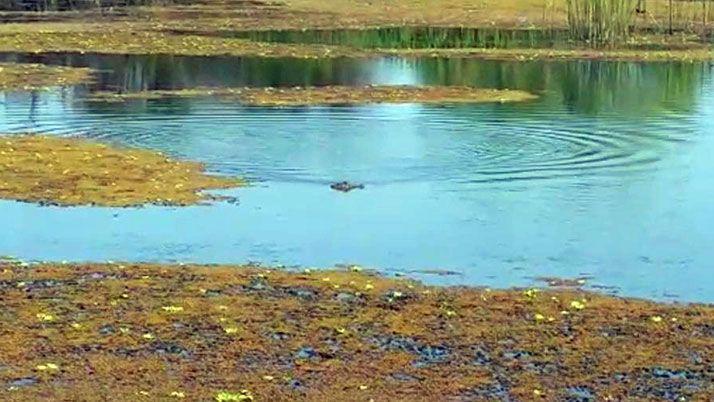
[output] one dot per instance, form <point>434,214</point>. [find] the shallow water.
<point>607,175</point>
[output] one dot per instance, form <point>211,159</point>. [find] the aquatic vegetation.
<point>334,95</point>
<point>300,338</point>
<point>70,171</point>
<point>528,54</point>
<point>28,77</point>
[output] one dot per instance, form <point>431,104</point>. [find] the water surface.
<point>608,174</point>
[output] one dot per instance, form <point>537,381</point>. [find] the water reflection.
<point>583,86</point>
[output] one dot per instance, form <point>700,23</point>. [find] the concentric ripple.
<point>372,144</point>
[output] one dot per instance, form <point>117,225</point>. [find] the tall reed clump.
<point>600,22</point>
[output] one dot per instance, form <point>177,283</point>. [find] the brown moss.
<point>67,171</point>
<point>337,95</point>
<point>37,76</point>
<point>146,331</point>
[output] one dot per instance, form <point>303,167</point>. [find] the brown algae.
<point>335,95</point>
<point>130,331</point>
<point>70,171</point>
<point>28,77</point>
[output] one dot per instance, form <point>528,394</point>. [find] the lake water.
<point>608,174</point>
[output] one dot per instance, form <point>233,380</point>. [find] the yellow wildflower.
<point>531,293</point>
<point>45,317</point>
<point>242,396</point>
<point>578,305</point>
<point>47,367</point>
<point>172,309</point>
<point>178,394</point>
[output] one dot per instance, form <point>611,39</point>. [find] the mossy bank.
<point>131,332</point>
<point>71,171</point>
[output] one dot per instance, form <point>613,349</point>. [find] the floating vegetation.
<point>335,95</point>
<point>66,171</point>
<point>28,77</point>
<point>620,54</point>
<point>250,332</point>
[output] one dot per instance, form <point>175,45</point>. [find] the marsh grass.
<point>600,22</point>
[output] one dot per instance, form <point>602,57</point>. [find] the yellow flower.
<point>47,367</point>
<point>341,330</point>
<point>656,318</point>
<point>241,396</point>
<point>363,387</point>
<point>531,293</point>
<point>76,325</point>
<point>45,317</point>
<point>172,309</point>
<point>368,286</point>
<point>231,330</point>
<point>178,394</point>
<point>450,313</point>
<point>577,305</point>
<point>539,317</point>
<point>148,336</point>
<point>268,377</point>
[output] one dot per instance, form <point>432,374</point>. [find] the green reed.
<point>600,22</point>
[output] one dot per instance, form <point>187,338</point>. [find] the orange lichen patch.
<point>65,171</point>
<point>320,335</point>
<point>37,76</point>
<point>335,95</point>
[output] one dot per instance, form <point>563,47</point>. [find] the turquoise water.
<point>607,175</point>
